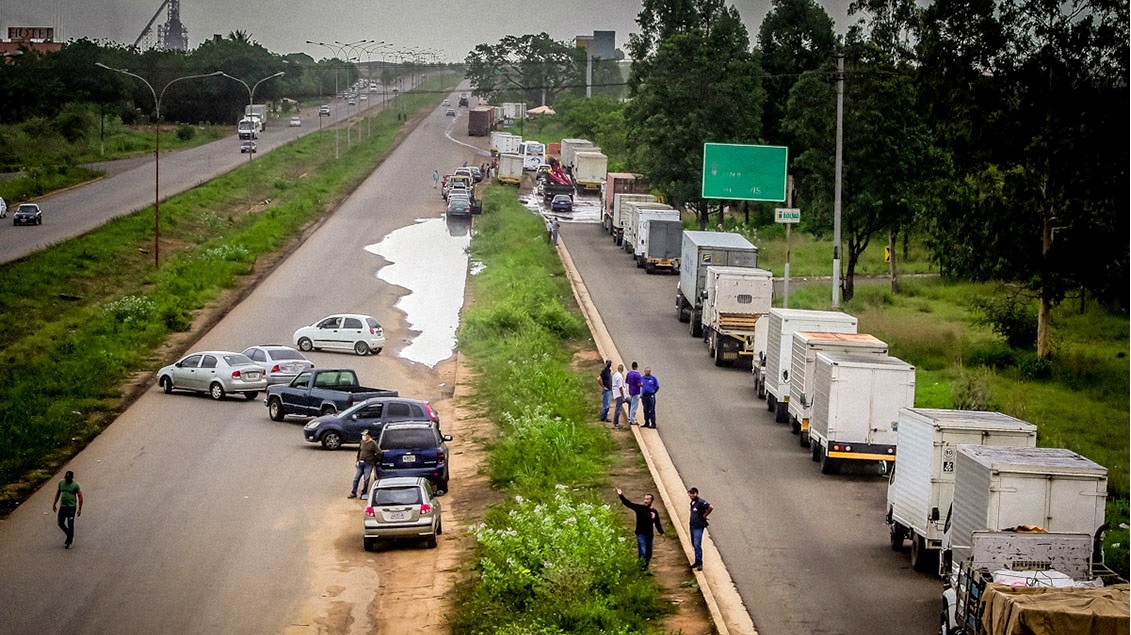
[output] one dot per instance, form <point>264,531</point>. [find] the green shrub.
<point>972,390</point>
<point>185,132</point>
<point>1010,317</point>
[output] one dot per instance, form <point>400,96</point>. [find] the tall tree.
<point>534,68</point>
<point>694,80</point>
<point>796,36</point>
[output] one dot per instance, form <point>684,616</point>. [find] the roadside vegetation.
<point>92,313</point>
<point>552,558</point>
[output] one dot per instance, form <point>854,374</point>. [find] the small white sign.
<point>787,215</point>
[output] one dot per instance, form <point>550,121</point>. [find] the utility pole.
<point>837,186</point>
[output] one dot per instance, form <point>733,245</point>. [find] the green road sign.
<point>744,172</point>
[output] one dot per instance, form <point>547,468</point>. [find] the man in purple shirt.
<point>633,381</point>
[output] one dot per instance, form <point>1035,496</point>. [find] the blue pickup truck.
<point>319,391</point>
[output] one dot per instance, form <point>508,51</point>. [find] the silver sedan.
<point>214,372</point>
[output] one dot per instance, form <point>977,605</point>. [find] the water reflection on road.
<point>430,260</point>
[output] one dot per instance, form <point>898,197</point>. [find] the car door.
<point>326,335</point>
<point>209,370</point>
<point>184,372</point>
<point>295,398</point>
<point>367,418</point>
<point>352,331</point>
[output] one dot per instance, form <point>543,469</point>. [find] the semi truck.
<point>735,301</point>
<point>510,169</point>
<point>617,215</point>
<point>856,403</point>
<point>771,372</point>
<point>921,485</point>
<point>617,183</point>
<point>660,243</point>
<point>480,121</point>
<point>257,110</point>
<point>570,147</point>
<point>806,345</point>
<point>701,250</point>
<point>589,169</point>
<point>631,211</point>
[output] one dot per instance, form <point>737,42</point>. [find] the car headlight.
<point>311,425</point>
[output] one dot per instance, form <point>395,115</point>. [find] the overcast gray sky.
<point>452,27</point>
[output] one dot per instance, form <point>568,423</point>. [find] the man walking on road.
<point>647,517</point>
<point>435,178</point>
<point>649,386</point>
<point>632,380</point>
<point>605,381</point>
<point>620,393</point>
<point>68,503</point>
<point>700,509</point>
<point>366,462</point>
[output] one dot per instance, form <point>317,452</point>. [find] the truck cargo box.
<point>772,376</point>
<point>701,250</point>
<point>736,303</point>
<point>660,244</point>
<point>570,147</point>
<point>617,217</point>
<point>631,213</point>
<point>589,169</point>
<point>806,345</point>
<point>619,183</point>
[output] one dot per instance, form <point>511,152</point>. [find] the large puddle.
<point>430,260</point>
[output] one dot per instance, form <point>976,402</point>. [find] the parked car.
<point>445,103</point>
<point>3,208</point>
<point>247,146</point>
<point>27,214</point>
<point>450,112</point>
<point>459,205</point>
<point>280,363</point>
<point>476,173</point>
<point>414,449</point>
<point>319,392</point>
<point>323,111</point>
<point>401,508</point>
<point>562,203</point>
<point>361,334</point>
<point>372,415</point>
<point>214,372</point>
<point>296,122</point>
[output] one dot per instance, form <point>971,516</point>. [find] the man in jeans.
<point>647,517</point>
<point>68,503</point>
<point>700,509</point>
<point>366,462</point>
<point>620,393</point>
<point>632,380</point>
<point>649,386</point>
<point>605,381</point>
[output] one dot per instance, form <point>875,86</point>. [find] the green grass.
<point>92,311</point>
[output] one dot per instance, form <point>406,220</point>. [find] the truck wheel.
<point>922,559</point>
<point>828,466</point>
<point>361,348</point>
<point>804,436</point>
<point>814,450</point>
<point>680,313</point>
<point>781,412</point>
<point>305,345</point>
<point>696,325</point>
<point>275,409</point>
<point>794,425</point>
<point>331,440</point>
<point>328,410</point>
<point>649,268</point>
<point>719,361</point>
<point>896,534</point>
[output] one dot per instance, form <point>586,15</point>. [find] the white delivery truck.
<point>699,251</point>
<point>257,110</point>
<point>806,345</point>
<point>505,143</point>
<point>631,212</point>
<point>660,242</point>
<point>921,485</point>
<point>998,487</point>
<point>771,373</point>
<point>736,302</point>
<point>570,147</point>
<point>510,168</point>
<point>589,170</point>
<point>617,218</point>
<point>856,403</point>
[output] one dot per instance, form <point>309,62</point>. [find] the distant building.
<point>601,45</point>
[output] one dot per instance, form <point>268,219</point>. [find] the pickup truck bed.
<point>319,391</point>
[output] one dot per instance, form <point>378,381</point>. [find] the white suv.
<point>361,334</point>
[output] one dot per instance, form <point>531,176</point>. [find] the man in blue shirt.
<point>700,509</point>
<point>649,386</point>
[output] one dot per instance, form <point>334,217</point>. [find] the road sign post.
<point>789,216</point>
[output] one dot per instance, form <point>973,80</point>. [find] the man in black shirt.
<point>647,517</point>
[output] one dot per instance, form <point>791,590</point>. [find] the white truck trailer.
<point>660,242</point>
<point>589,170</point>
<point>771,373</point>
<point>921,485</point>
<point>505,143</point>
<point>570,147</point>
<point>510,168</point>
<point>617,216</point>
<point>856,403</point>
<point>257,110</point>
<point>806,345</point>
<point>998,487</point>
<point>632,212</point>
<point>736,302</point>
<point>699,251</point>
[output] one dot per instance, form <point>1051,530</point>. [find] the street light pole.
<point>251,94</point>
<point>157,97</point>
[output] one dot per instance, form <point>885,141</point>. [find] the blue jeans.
<point>649,400</point>
<point>644,549</point>
<point>606,397</point>
<point>633,404</point>
<point>697,544</point>
<point>363,469</point>
<point>616,415</point>
<point>67,522</point>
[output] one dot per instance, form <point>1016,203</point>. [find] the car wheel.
<point>216,391</point>
<point>251,395</point>
<point>370,545</point>
<point>275,409</point>
<point>361,348</point>
<point>432,541</point>
<point>331,440</point>
<point>377,351</point>
<point>39,221</point>
<point>439,526</point>
<point>305,345</point>
<point>167,384</point>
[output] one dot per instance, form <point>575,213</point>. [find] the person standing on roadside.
<point>68,504</point>
<point>435,178</point>
<point>366,462</point>
<point>632,380</point>
<point>700,509</point>
<point>649,386</point>
<point>605,381</point>
<point>620,393</point>
<point>647,517</point>
<point>555,227</point>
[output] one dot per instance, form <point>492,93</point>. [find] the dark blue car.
<point>415,450</point>
<point>372,414</point>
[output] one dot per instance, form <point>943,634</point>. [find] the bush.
<point>1009,317</point>
<point>185,132</point>
<point>971,390</point>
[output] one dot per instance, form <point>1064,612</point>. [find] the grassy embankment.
<point>87,315</point>
<point>552,558</point>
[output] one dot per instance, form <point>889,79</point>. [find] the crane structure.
<point>171,36</point>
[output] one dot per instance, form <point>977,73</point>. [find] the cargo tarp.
<point>1050,611</point>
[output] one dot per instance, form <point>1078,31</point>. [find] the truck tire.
<point>814,450</point>
<point>922,558</point>
<point>719,360</point>
<point>681,313</point>
<point>771,401</point>
<point>804,439</point>
<point>696,324</point>
<point>327,410</point>
<point>649,268</point>
<point>828,466</point>
<point>896,534</point>
<point>781,412</point>
<point>275,409</point>
<point>794,425</point>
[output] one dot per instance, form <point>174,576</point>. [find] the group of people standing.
<point>633,389</point>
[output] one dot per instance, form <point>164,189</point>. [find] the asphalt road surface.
<point>808,552</point>
<point>207,517</point>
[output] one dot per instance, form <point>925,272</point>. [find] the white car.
<point>3,208</point>
<point>361,334</point>
<point>296,122</point>
<point>280,364</point>
<point>214,372</point>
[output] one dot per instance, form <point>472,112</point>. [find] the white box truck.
<point>806,345</point>
<point>617,218</point>
<point>699,251</point>
<point>510,168</point>
<point>660,242</point>
<point>856,403</point>
<point>589,170</point>
<point>631,213</point>
<point>257,110</point>
<point>771,373</point>
<point>505,143</point>
<point>921,484</point>
<point>736,301</point>
<point>571,146</point>
<point>998,487</point>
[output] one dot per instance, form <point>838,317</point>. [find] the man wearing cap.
<point>366,463</point>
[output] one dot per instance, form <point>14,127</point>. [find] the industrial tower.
<point>171,36</point>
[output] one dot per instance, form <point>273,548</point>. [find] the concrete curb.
<point>725,604</point>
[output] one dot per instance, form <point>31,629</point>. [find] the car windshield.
<point>27,208</point>
<point>410,495</point>
<point>561,198</point>
<point>409,439</point>
<point>237,359</point>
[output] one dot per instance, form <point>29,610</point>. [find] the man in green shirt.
<point>68,502</point>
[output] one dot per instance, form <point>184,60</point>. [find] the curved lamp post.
<point>157,96</point>
<point>251,92</point>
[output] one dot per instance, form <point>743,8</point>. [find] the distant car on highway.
<point>450,112</point>
<point>562,203</point>
<point>296,122</point>
<point>27,214</point>
<point>323,111</point>
<point>216,373</point>
<point>280,364</point>
<point>401,508</point>
<point>247,146</point>
<point>361,334</point>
